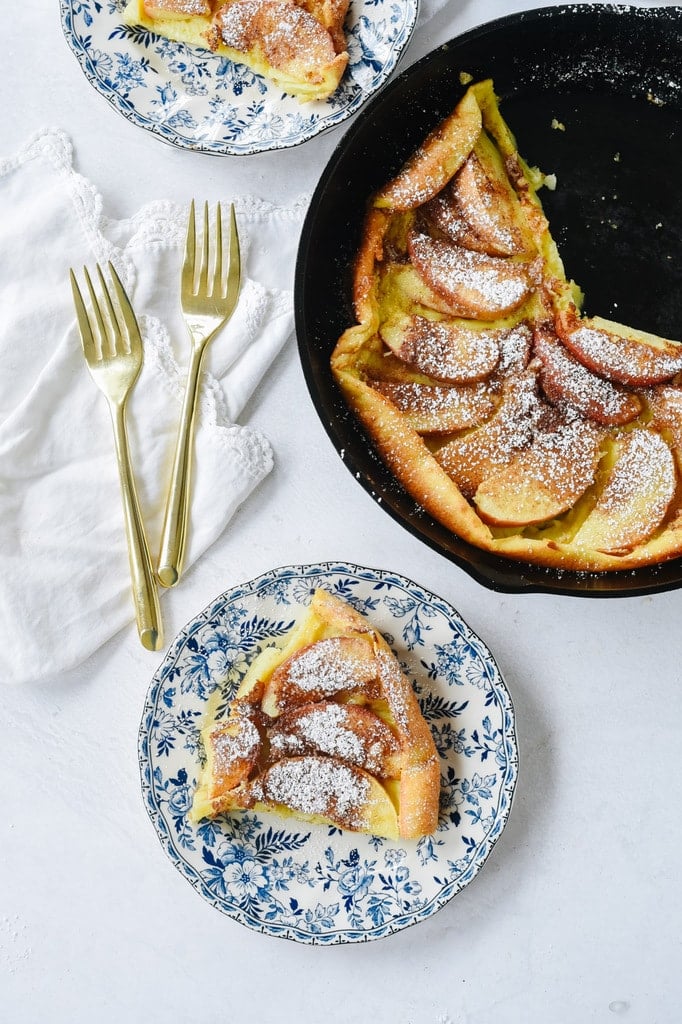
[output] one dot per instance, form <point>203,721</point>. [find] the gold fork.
<point>113,351</point>
<point>208,296</point>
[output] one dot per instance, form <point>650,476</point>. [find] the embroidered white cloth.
<point>64,582</point>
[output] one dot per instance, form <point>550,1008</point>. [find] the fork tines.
<point>114,328</point>
<point>203,273</point>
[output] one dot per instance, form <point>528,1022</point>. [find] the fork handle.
<point>145,594</point>
<point>176,519</point>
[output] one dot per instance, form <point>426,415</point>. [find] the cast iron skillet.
<point>612,76</point>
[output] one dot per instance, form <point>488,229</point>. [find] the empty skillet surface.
<point>593,95</point>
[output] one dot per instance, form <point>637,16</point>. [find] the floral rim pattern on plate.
<point>316,884</point>
<point>200,101</point>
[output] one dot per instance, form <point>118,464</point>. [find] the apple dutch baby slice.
<point>327,728</point>
<point>300,47</point>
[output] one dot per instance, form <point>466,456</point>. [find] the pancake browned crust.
<point>325,727</point>
<point>524,427</point>
<point>299,45</point>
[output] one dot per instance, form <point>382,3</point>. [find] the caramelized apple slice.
<point>479,454</point>
<point>566,381</point>
<point>635,497</point>
<point>443,218</point>
<point>442,349</point>
<point>348,732</point>
<point>620,353</point>
<point>322,788</point>
<point>473,284</point>
<point>515,348</point>
<point>437,159</point>
<point>665,404</point>
<point>320,670</point>
<point>331,14</point>
<point>486,205</point>
<point>430,409</point>
<point>544,480</point>
<point>232,747</point>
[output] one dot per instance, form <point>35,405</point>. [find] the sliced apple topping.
<point>320,787</point>
<point>439,157</point>
<point>430,409</point>
<point>353,734</point>
<point>567,381</point>
<point>279,36</point>
<point>478,208</point>
<point>515,349</point>
<point>665,405</point>
<point>232,747</point>
<point>442,349</point>
<point>443,218</point>
<point>620,353</point>
<point>489,207</point>
<point>484,451</point>
<point>544,480</point>
<point>635,497</point>
<point>472,284</point>
<point>320,670</point>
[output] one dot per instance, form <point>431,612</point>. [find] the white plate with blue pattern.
<point>313,883</point>
<point>200,101</point>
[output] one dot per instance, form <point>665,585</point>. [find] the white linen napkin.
<point>64,582</point>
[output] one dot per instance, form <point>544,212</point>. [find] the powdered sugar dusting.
<point>237,742</point>
<point>636,496</point>
<point>325,668</point>
<point>326,728</point>
<point>284,30</point>
<point>621,359</point>
<point>315,785</point>
<point>448,353</point>
<point>348,732</point>
<point>515,345</point>
<point>565,380</point>
<point>644,456</point>
<point>433,409</point>
<point>487,284</point>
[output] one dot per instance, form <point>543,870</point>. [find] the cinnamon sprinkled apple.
<point>445,350</point>
<point>620,353</point>
<point>635,498</point>
<point>566,380</point>
<point>544,480</point>
<point>472,283</point>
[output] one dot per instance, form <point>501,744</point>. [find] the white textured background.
<point>576,917</point>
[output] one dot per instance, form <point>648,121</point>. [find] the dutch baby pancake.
<point>522,425</point>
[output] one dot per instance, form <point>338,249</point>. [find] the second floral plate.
<point>311,883</point>
<point>197,100</point>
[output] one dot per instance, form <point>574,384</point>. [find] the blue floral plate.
<point>197,100</point>
<point>316,884</point>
